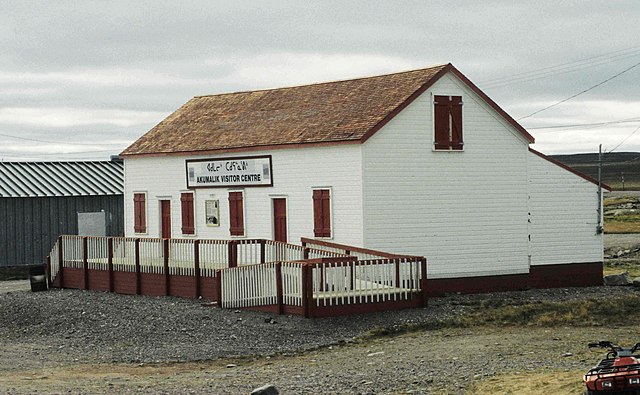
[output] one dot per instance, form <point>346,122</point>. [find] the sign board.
<point>92,224</point>
<point>250,171</point>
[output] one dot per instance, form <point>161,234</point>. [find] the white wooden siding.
<point>295,173</point>
<point>563,215</point>
<point>465,211</point>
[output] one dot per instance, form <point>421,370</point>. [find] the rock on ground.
<point>618,279</point>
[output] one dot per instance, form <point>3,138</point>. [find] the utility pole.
<point>599,228</point>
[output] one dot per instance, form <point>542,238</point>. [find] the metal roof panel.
<point>43,179</point>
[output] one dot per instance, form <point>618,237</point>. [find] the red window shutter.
<point>441,122</point>
<point>236,218</point>
<point>139,213</point>
<point>188,226</point>
<point>321,213</point>
<point>317,213</point>
<point>326,213</point>
<point>455,109</point>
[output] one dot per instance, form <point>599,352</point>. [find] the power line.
<point>625,139</point>
<point>576,125</point>
<point>54,142</point>
<point>54,153</point>
<point>562,68</point>
<point>580,93</point>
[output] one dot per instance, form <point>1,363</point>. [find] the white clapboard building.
<point>419,162</point>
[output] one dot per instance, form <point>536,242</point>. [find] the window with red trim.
<point>447,122</point>
<point>321,213</point>
<point>236,215</point>
<point>140,213</point>
<point>186,203</point>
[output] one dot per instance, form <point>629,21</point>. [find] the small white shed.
<point>419,162</point>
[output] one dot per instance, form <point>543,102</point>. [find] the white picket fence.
<point>124,257</point>
<point>333,283</point>
<point>291,283</point>
<point>365,281</point>
<point>249,286</point>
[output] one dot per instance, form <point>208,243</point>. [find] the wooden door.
<point>280,219</point>
<point>165,215</point>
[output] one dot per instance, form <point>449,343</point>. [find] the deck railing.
<point>249,286</point>
<point>124,254</point>
<point>315,279</point>
<point>365,281</point>
<point>360,253</point>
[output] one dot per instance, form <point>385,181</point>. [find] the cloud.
<point>286,69</point>
<point>62,117</point>
<point>97,77</point>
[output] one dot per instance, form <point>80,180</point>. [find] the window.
<point>448,122</point>
<point>140,213</point>
<point>236,216</point>
<point>186,203</point>
<point>321,213</point>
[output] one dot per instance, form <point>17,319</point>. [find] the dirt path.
<point>443,361</point>
<point>14,286</point>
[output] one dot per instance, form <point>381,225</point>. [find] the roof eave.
<point>125,156</point>
<point>570,169</point>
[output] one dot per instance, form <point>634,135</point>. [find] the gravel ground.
<point>72,328</point>
<point>621,241</point>
<point>71,341</point>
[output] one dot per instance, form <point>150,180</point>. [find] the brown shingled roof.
<point>332,112</point>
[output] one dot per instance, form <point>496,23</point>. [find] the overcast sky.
<point>83,80</point>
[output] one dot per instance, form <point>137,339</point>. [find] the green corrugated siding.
<point>29,226</point>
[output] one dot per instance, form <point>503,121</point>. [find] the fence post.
<point>397,262</point>
<point>423,280</point>
<point>233,253</point>
<point>305,294</point>
<point>307,290</point>
<point>262,250</point>
<point>85,263</point>
<point>196,266</point>
<point>352,277</point>
<point>279,295</point>
<point>136,249</point>
<point>48,271</point>
<point>305,252</point>
<point>217,287</point>
<point>110,262</point>
<point>60,262</point>
<point>165,253</point>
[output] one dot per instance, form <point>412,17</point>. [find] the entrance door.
<point>165,215</point>
<point>280,219</point>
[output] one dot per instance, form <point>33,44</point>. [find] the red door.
<point>165,215</point>
<point>280,219</point>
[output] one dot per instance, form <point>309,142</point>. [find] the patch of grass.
<point>622,225</point>
<point>632,267</point>
<point>626,221</point>
<point>618,200</point>
<point>611,311</point>
<point>620,310</point>
<point>628,185</point>
<point>539,382</point>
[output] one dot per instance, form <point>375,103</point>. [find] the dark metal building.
<point>41,200</point>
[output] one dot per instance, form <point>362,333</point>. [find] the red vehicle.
<point>618,373</point>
